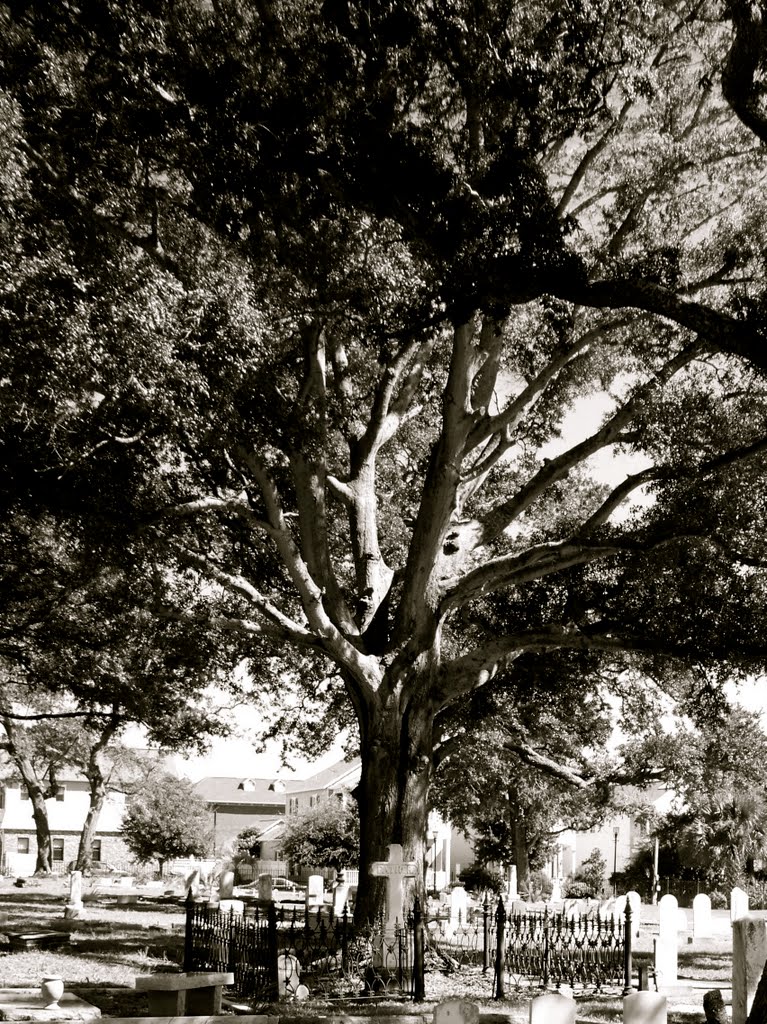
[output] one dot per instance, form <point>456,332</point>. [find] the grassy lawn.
<point>110,945</point>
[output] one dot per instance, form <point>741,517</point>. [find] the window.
<point>57,848</point>
<point>22,844</point>
<point>23,792</point>
<point>60,794</point>
<point>96,851</point>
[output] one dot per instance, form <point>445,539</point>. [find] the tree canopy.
<point>406,344</point>
<point>166,820</point>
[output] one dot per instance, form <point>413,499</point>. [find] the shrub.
<point>575,890</point>
<point>476,878</point>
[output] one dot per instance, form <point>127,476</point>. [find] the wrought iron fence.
<point>533,948</point>
<point>272,950</point>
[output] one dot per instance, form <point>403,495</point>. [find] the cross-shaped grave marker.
<point>395,870</point>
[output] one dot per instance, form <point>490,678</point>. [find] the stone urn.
<point>51,990</point>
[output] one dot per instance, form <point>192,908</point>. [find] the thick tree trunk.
<point>393,798</point>
<point>40,815</point>
<point>85,847</point>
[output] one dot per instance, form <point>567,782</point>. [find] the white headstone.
<point>340,899</point>
<point>456,1011</point>
<point>749,953</point>
<point>513,890</point>
<point>315,891</point>
<point>644,1008</point>
<point>552,1008</point>
<point>668,916</point>
<point>556,891</point>
<point>395,870</point>
<point>635,902</point>
<point>459,906</point>
<point>288,975</point>
<point>738,904</point>
<point>667,943</point>
<point>74,908</point>
<point>666,960</point>
<point>701,916</point>
<point>226,884</point>
<point>76,887</point>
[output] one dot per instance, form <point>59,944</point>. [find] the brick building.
<point>66,814</point>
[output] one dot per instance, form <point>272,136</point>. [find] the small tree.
<point>168,821</point>
<point>326,836</point>
<point>592,872</point>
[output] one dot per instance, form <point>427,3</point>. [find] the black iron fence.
<point>276,952</point>
<point>273,951</point>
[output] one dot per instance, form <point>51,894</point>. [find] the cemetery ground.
<point>110,945</point>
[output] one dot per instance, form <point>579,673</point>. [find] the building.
<point>333,783</point>
<point>618,839</point>
<point>66,816</point>
<point>236,804</point>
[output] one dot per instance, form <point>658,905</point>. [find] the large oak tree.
<point>326,313</point>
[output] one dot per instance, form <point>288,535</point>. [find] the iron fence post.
<point>546,947</point>
<point>500,950</point>
<point>188,933</point>
<point>272,949</point>
<point>486,934</point>
<point>345,940</point>
<point>232,940</point>
<point>628,940</point>
<point>419,979</point>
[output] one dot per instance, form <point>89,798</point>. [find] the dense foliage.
<point>415,348</point>
<point>324,836</point>
<point>165,821</point>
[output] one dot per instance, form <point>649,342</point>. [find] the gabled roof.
<point>341,775</point>
<point>220,789</point>
<point>272,831</point>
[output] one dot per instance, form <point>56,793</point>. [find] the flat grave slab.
<point>20,941</point>
<point>28,1004</point>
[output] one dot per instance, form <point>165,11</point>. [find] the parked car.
<point>285,891</point>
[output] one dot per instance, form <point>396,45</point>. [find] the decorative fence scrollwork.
<point>271,950</point>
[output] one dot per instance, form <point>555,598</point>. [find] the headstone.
<point>518,907</point>
<point>315,892</point>
<point>701,916</point>
<point>552,1008</point>
<point>231,906</point>
<point>667,943</point>
<point>226,884</point>
<point>456,1011</point>
<point>644,1008</point>
<point>395,870</point>
<point>288,975</point>
<point>668,915</point>
<point>340,895</point>
<point>556,891</point>
<point>459,907</point>
<point>635,902</point>
<point>513,890</point>
<point>74,907</point>
<point>192,882</point>
<point>738,904</point>
<point>264,887</point>
<point>749,953</point>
